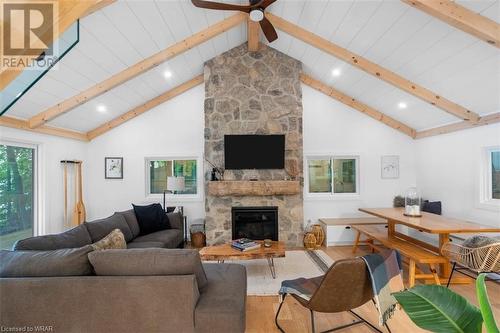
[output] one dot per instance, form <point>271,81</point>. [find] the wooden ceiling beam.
<point>357,105</point>
<point>253,31</point>
<point>136,69</point>
<point>461,18</point>
<point>372,68</point>
<point>23,125</point>
<point>69,11</point>
<point>486,120</point>
<point>145,107</point>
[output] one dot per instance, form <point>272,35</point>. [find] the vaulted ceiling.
<point>407,41</point>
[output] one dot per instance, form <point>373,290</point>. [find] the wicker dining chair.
<point>482,259</point>
<point>345,286</point>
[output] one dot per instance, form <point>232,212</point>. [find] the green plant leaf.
<point>484,305</point>
<point>440,310</point>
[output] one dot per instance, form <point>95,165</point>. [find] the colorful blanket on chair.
<point>301,287</point>
<point>385,273</point>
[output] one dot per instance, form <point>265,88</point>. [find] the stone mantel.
<point>254,188</point>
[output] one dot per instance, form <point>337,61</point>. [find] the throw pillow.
<point>433,207</point>
<point>61,262</point>
<point>151,218</point>
<point>114,240</point>
<point>479,241</point>
<point>145,262</point>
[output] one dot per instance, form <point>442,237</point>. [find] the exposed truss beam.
<point>23,125</point>
<point>372,68</point>
<point>357,105</point>
<point>145,107</point>
<point>69,11</point>
<point>253,31</point>
<point>136,69</point>
<point>461,18</point>
<point>486,120</point>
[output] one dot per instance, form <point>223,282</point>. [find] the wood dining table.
<point>433,224</point>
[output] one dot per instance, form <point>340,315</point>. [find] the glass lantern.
<point>413,200</point>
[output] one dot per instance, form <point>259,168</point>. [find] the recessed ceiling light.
<point>167,74</point>
<point>102,108</point>
<point>336,72</point>
<point>402,105</point>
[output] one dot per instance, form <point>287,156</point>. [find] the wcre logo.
<point>28,31</point>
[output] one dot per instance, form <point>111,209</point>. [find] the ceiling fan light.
<point>257,15</point>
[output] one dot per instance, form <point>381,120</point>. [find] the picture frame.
<point>389,167</point>
<point>113,167</point>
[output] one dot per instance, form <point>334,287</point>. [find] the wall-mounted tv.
<point>254,152</point>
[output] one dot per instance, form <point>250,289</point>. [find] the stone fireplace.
<point>254,93</point>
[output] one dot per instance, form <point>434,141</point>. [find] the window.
<point>17,193</point>
<point>335,175</point>
<point>495,174</point>
<point>159,169</point>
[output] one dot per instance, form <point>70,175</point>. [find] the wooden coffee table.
<point>226,252</point>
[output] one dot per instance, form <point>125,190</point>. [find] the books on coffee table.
<point>244,244</point>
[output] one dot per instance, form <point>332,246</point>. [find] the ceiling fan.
<point>255,9</point>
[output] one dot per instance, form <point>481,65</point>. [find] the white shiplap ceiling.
<point>390,33</point>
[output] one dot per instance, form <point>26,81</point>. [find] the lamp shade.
<point>175,184</point>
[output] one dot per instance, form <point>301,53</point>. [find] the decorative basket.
<point>309,241</point>
<point>480,259</point>
<point>318,232</point>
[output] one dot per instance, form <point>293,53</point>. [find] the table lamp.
<point>174,184</point>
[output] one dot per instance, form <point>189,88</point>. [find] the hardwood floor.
<point>295,318</point>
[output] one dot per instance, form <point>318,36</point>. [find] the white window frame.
<point>38,180</point>
<point>486,200</point>
<point>332,195</point>
<point>177,197</point>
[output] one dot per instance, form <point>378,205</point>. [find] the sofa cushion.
<point>115,240</point>
<point>131,220</point>
<point>140,262</point>
<point>221,306</point>
<point>61,262</point>
<point>175,220</point>
<point>101,228</point>
<point>151,218</point>
<point>144,245</point>
<point>73,238</point>
<point>171,238</point>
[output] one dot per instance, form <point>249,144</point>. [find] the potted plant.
<point>438,309</point>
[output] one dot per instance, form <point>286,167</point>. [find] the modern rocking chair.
<point>345,286</point>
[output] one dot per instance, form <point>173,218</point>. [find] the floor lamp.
<point>175,184</point>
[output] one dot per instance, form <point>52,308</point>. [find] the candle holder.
<point>413,201</point>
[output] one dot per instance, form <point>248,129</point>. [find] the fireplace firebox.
<point>255,222</point>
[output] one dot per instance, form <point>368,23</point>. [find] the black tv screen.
<point>254,152</point>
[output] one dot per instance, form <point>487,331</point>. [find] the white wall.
<point>330,127</point>
<point>449,170</point>
<point>51,151</point>
<point>174,128</point>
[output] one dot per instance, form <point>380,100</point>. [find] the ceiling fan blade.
<point>268,30</point>
<point>265,3</point>
<point>220,6</point>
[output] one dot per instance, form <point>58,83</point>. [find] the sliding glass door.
<point>17,192</point>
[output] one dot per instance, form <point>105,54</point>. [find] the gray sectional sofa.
<point>91,232</point>
<point>146,288</point>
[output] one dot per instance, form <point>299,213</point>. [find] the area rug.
<point>296,264</point>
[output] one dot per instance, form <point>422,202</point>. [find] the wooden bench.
<point>413,253</point>
<point>338,231</point>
